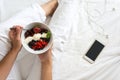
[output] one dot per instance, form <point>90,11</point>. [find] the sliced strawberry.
<point>44,43</point>
<point>39,45</point>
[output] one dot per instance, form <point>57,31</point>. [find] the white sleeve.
<point>4,46</point>
<point>2,50</point>
<point>1,57</point>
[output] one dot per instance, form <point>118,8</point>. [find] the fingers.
<point>16,31</point>
<point>48,52</point>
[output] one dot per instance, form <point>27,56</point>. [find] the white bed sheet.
<point>69,65</point>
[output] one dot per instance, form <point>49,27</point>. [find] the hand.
<point>46,57</point>
<point>14,34</point>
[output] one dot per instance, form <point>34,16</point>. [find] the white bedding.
<point>69,64</point>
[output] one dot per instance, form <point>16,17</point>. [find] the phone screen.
<point>95,50</point>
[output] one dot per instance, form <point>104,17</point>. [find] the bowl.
<point>29,27</point>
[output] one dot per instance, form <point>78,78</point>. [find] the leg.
<point>50,7</point>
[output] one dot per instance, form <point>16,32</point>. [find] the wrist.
<point>15,50</point>
<point>46,62</point>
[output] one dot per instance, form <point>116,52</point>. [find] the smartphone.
<point>94,51</point>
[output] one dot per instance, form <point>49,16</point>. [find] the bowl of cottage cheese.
<point>36,38</point>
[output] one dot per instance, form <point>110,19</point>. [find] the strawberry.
<point>36,30</point>
<point>44,43</point>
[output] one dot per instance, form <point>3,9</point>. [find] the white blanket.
<point>68,63</point>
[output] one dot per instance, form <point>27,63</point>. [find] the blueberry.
<point>31,43</point>
<point>45,39</point>
<point>28,33</point>
<point>44,30</point>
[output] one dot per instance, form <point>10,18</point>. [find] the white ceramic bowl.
<point>25,45</point>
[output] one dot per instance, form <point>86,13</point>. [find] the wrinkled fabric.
<point>74,26</point>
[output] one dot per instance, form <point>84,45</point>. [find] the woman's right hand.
<point>14,34</point>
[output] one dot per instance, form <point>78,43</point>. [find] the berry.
<point>44,30</point>
<point>28,33</point>
<point>32,43</point>
<point>36,30</point>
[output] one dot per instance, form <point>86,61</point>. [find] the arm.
<point>46,73</point>
<point>46,65</point>
<point>7,62</point>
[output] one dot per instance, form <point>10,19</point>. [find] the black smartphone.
<point>94,51</point>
